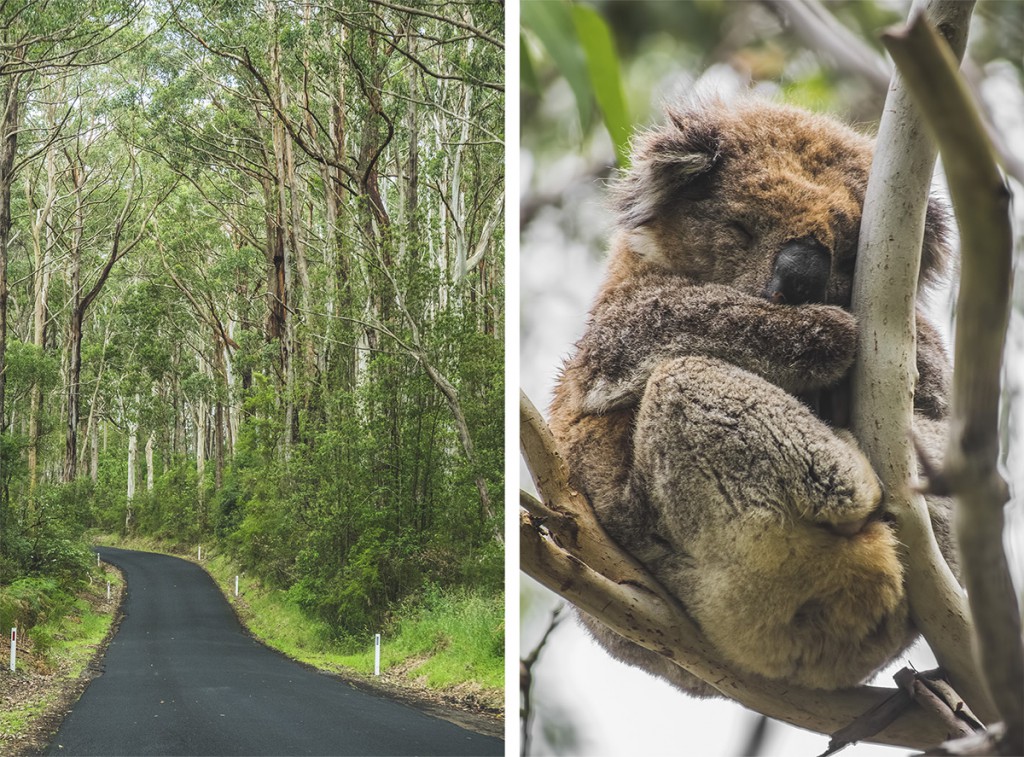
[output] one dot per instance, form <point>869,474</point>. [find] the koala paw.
<point>855,498</point>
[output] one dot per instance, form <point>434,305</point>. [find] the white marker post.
<point>376,654</point>
<point>200,554</point>
<point>108,591</point>
<point>236,586</point>
<point>97,559</point>
<point>14,646</point>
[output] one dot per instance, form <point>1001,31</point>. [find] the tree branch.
<point>564,548</point>
<point>820,30</point>
<point>981,200</point>
<point>884,299</point>
<point>454,22</point>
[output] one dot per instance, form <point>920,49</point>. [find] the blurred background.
<point>576,115</point>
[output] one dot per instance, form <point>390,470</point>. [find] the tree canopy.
<point>252,288</point>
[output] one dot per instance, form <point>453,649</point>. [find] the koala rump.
<point>703,410</point>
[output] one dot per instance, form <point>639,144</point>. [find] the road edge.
<point>45,727</point>
<point>480,722</point>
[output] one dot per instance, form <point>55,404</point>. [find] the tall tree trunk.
<point>94,464</point>
<point>218,445</point>
<point>42,244</point>
<point>413,124</point>
<point>201,441</point>
<point>285,232</point>
<point>342,265</point>
<point>133,454</point>
<point>74,374</point>
<point>149,461</point>
<point>74,340</point>
<point>10,97</point>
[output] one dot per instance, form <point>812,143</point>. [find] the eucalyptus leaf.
<point>605,79</point>
<point>552,23</point>
<point>527,76</point>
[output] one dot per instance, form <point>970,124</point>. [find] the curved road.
<point>181,678</point>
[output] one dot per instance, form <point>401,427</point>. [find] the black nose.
<point>800,274</point>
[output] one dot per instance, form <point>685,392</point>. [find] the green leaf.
<point>605,78</point>
<point>552,23</point>
<point>527,76</point>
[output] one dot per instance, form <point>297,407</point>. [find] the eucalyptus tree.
<point>39,41</point>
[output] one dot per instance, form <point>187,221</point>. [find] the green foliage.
<point>43,537</point>
<point>605,80</point>
<point>552,23</point>
<point>579,41</point>
<point>31,601</point>
<point>171,510</point>
<point>26,365</point>
<point>462,633</point>
<point>263,334</point>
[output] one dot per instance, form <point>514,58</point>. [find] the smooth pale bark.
<point>133,454</point>
<point>149,460</point>
<point>42,244</point>
<point>94,461</point>
<point>200,441</point>
<point>94,404</point>
<point>74,336</point>
<point>981,200</point>
<point>884,299</point>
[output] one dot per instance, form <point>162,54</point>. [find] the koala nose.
<point>800,274</point>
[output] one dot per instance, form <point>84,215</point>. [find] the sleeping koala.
<point>703,411</point>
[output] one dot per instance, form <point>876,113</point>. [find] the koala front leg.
<point>768,520</point>
<point>637,326</point>
<point>746,442</point>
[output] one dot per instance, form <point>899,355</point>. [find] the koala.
<point>704,411</point>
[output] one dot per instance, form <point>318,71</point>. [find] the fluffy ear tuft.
<point>669,163</point>
<point>935,252</point>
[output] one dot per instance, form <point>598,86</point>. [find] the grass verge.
<point>53,660</point>
<point>448,646</point>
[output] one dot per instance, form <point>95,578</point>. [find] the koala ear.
<point>935,252</point>
<point>670,163</point>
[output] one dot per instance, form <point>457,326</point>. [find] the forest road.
<point>182,678</point>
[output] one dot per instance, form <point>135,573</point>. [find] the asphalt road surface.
<point>181,678</point>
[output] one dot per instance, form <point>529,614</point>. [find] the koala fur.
<point>703,410</point>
